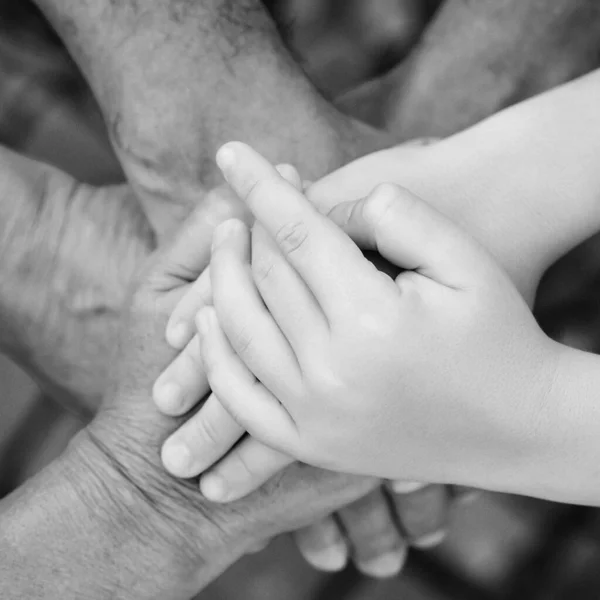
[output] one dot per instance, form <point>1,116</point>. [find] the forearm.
<point>79,530</point>
<point>479,57</point>
<point>525,182</point>
<point>176,80</point>
<point>67,254</point>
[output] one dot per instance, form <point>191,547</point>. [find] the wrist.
<point>203,538</point>
<point>139,524</point>
<point>72,532</point>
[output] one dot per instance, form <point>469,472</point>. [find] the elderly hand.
<point>122,443</point>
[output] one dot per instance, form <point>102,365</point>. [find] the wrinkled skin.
<point>166,127</point>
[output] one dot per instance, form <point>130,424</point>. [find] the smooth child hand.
<point>204,440</point>
<point>436,375</point>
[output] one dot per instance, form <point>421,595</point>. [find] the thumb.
<point>290,174</point>
<point>186,254</point>
<point>411,234</point>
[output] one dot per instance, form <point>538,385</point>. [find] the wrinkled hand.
<point>122,443</point>
<point>375,531</point>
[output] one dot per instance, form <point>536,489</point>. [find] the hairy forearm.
<point>175,80</point>
<point>67,254</point>
<point>78,530</point>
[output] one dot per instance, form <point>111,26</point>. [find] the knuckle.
<point>292,236</point>
<point>380,202</point>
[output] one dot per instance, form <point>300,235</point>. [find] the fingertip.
<point>178,334</point>
<point>330,559</point>
<point>384,566</point>
<point>204,319</point>
<point>227,156</point>
<point>176,458</point>
<point>401,486</point>
<point>168,397</point>
<point>214,488</point>
<point>430,540</point>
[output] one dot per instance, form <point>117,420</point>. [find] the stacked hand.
<point>297,324</point>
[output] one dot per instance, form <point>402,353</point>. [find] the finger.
<point>290,174</point>
<point>185,256</point>
<point>292,305</point>
<point>423,514</point>
<point>411,234</point>
<point>250,328</point>
<point>258,547</point>
<point>246,399</point>
<point>324,257</point>
<point>202,440</point>
<point>322,545</point>
<point>378,548</point>
<point>249,466</point>
<point>464,494</point>
<point>403,486</point>
<point>180,327</point>
<point>183,383</point>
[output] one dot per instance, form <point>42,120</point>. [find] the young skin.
<point>433,361</point>
<point>528,220</point>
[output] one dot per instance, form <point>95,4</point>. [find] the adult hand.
<point>125,439</point>
<point>375,531</point>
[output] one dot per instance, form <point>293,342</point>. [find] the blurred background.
<point>500,546</point>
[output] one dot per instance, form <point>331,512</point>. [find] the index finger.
<point>324,256</point>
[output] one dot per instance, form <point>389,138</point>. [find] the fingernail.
<point>179,334</point>
<point>406,487</point>
<point>383,566</point>
<point>226,157</point>
<point>214,487</point>
<point>331,558</point>
<point>169,396</point>
<point>465,495</point>
<point>430,540</point>
<point>176,458</point>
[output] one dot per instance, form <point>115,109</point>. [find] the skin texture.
<point>59,297</point>
<point>476,58</point>
<point>158,124</point>
<point>57,293</point>
<point>152,83</point>
<point>533,142</point>
<point>333,332</point>
<point>108,500</point>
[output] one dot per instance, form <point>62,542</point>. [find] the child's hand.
<point>208,435</point>
<point>437,375</point>
<point>205,438</point>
